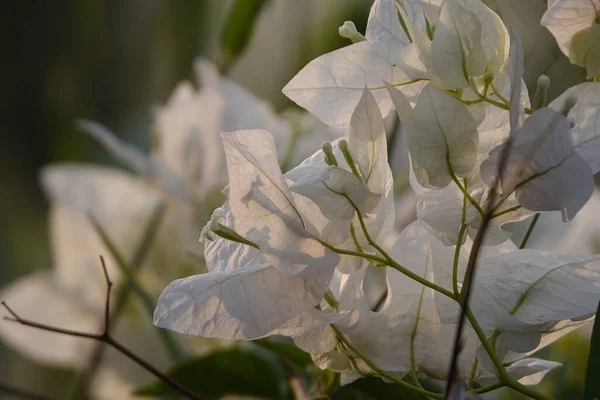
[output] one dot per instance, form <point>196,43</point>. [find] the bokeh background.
<point>112,61</point>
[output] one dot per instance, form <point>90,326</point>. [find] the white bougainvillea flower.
<point>72,294</point>
<point>543,168</point>
<point>331,85</point>
<point>441,134</point>
<point>579,236</point>
<point>523,294</point>
<point>280,214</point>
<point>585,115</point>
<point>575,25</point>
<point>183,173</point>
<point>282,280</point>
<point>442,210</point>
<point>469,39</point>
<point>367,147</point>
<point>411,335</point>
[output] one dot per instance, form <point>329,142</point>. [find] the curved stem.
<point>529,231</point>
<point>381,372</point>
<point>466,194</point>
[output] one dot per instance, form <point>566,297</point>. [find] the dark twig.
<point>123,295</point>
<point>21,393</point>
<point>465,293</point>
<point>104,337</point>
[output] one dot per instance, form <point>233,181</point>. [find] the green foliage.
<point>287,352</point>
<point>592,380</point>
<point>227,371</point>
<point>371,388</point>
<point>237,31</point>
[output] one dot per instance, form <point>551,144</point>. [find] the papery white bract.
<point>290,272</point>
<point>575,26</point>
<point>543,167</point>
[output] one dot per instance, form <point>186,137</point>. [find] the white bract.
<point>575,25</point>
<point>285,217</point>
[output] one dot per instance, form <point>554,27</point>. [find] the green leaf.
<point>224,372</point>
<point>592,383</point>
<point>371,388</point>
<point>237,31</point>
<point>287,352</point>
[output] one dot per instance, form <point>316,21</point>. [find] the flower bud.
<point>349,31</point>
<point>343,145</point>
<point>488,77</point>
<point>328,152</point>
<point>540,98</point>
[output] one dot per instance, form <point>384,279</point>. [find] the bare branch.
<point>104,337</point>
<point>109,285</point>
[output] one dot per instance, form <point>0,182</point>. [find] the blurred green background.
<point>111,61</point>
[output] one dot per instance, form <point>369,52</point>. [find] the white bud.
<point>349,31</point>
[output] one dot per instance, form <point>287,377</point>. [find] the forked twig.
<point>104,337</point>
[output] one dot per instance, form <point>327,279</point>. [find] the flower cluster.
<point>313,254</point>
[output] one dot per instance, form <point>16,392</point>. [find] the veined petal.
<point>586,116</point>
<point>264,210</point>
<point>238,303</point>
<point>564,18</point>
<point>543,167</point>
<point>368,144</point>
<point>331,85</point>
<point>442,139</point>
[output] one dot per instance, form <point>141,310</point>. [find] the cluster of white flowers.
<point>313,254</point>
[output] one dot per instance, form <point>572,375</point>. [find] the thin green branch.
<point>529,231</point>
<point>381,372</point>
<point>466,193</point>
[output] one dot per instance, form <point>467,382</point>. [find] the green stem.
<point>501,372</point>
<point>508,210</point>
<point>381,372</point>
<point>393,263</point>
<point>489,388</point>
<point>461,234</point>
<point>529,231</point>
<point>466,193</point>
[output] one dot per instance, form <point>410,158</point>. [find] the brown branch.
<point>104,337</point>
<point>22,393</point>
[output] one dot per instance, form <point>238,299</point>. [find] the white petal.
<point>442,139</point>
<point>264,210</point>
<point>119,202</point>
<point>530,287</point>
<point>331,85</point>
<point>323,185</point>
<point>41,298</point>
<point>367,143</point>
<point>564,18</point>
<point>543,167</point>
<point>239,303</point>
<point>529,371</point>
<point>586,115</point>
<point>457,49</point>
